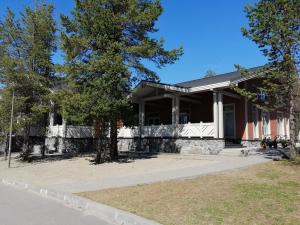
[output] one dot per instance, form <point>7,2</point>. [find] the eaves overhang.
<point>166,87</point>
<point>217,83</point>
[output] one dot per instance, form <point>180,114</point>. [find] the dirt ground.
<point>57,173</point>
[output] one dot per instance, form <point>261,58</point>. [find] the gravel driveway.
<point>78,174</point>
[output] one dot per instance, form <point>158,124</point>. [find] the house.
<point>203,116</point>
<point>200,116</point>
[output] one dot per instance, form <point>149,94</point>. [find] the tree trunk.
<point>293,85</point>
<point>98,145</point>
<point>102,141</point>
<point>25,147</point>
<point>99,155</point>
<point>292,126</point>
<point>43,146</point>
<point>6,147</point>
<point>114,139</point>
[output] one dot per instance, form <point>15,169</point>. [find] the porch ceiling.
<point>151,89</point>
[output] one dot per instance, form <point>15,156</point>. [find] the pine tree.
<point>27,45</point>
<point>106,43</point>
<point>210,73</point>
<point>274,25</point>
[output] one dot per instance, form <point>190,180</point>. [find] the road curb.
<point>104,212</point>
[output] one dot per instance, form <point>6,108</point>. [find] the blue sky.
<point>209,32</point>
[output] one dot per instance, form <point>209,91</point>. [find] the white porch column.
<point>216,115</point>
<point>142,113</point>
<point>175,113</point>
<point>141,117</point>
<point>51,119</point>
<point>221,120</point>
<point>287,127</point>
<point>51,114</point>
<point>175,110</point>
<point>64,128</point>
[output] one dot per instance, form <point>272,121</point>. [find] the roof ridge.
<point>204,78</point>
<point>216,76</point>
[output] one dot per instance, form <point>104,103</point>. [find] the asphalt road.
<point>19,207</point>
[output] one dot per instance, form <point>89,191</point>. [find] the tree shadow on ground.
<point>128,157</point>
<point>124,157</point>
<point>38,159</point>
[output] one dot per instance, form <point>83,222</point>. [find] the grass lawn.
<point>263,194</point>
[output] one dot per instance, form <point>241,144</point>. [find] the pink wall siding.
<point>273,124</point>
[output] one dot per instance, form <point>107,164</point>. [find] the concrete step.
<point>240,152</point>
<point>230,146</point>
<point>231,152</point>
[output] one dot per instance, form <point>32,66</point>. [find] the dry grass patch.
<point>263,194</point>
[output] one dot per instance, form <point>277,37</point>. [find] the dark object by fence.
<point>268,142</point>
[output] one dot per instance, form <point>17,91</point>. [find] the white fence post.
<point>201,129</point>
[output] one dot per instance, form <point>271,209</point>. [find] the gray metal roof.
<point>232,76</point>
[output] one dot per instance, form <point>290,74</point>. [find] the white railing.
<point>182,130</point>
<point>79,131</point>
<point>55,131</point>
<point>128,132</point>
<point>70,131</point>
<point>37,131</point>
<point>86,131</point>
<point>158,131</point>
<point>196,130</point>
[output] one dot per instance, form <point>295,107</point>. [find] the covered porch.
<point>174,112</point>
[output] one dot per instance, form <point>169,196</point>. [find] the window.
<point>262,96</point>
<point>266,124</point>
<point>153,119</point>
<point>184,116</point>
<point>280,125</point>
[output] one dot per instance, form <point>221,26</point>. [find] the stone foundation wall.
<point>69,145</point>
<point>251,143</point>
<point>171,145</point>
<point>54,144</point>
<point>3,146</point>
<point>200,146</point>
<point>151,145</point>
<point>17,142</point>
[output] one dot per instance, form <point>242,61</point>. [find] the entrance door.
<point>229,121</point>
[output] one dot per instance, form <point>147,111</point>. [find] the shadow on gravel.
<point>37,158</point>
<point>124,157</point>
<point>128,157</point>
